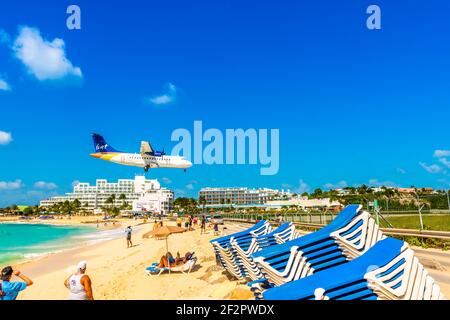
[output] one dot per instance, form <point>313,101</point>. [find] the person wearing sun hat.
<point>10,290</point>
<point>79,284</point>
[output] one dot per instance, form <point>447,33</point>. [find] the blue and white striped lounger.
<point>348,236</point>
<point>184,268</point>
<point>225,253</point>
<point>387,271</point>
<point>244,249</point>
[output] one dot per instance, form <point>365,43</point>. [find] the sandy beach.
<point>118,272</point>
<point>65,220</point>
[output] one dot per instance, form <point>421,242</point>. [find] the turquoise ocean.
<point>20,241</point>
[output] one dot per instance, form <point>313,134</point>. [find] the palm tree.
<point>317,193</point>
<point>36,209</point>
<point>57,207</point>
<point>192,203</point>
<point>67,208</point>
<point>111,200</point>
<point>14,208</point>
<point>202,201</point>
<point>123,198</point>
<point>60,207</point>
<point>76,205</point>
<point>85,207</point>
<point>28,211</point>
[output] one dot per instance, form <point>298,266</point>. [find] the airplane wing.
<point>146,147</point>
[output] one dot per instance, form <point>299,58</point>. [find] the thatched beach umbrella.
<point>163,233</point>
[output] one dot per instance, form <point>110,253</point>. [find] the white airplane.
<point>147,158</point>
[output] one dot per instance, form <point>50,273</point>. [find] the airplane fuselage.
<point>143,161</point>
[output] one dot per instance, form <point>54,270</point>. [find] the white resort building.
<point>306,204</point>
<point>241,196</point>
<point>143,194</point>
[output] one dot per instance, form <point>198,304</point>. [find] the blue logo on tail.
<point>101,145</point>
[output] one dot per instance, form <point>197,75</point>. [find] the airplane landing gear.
<point>185,170</point>
<point>146,168</point>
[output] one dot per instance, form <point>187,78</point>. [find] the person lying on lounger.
<point>183,260</point>
<point>169,259</point>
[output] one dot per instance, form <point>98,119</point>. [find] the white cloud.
<point>340,184</point>
<point>442,157</point>
<point>400,170</point>
<point>75,182</point>
<point>46,60</point>
<point>180,193</point>
<point>45,185</point>
<point>4,85</point>
<point>433,168</point>
<point>377,183</point>
<point>166,180</point>
<point>11,185</point>
<point>190,186</point>
<point>441,153</point>
<point>164,99</point>
<point>24,197</point>
<point>302,187</point>
<point>445,162</point>
<point>5,138</point>
<point>167,97</point>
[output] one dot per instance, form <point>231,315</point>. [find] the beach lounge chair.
<point>349,235</point>
<point>184,268</point>
<point>387,271</point>
<point>224,251</point>
<point>244,249</point>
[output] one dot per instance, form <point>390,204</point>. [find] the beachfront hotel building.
<point>144,195</point>
<point>306,204</point>
<point>241,196</point>
<point>158,201</point>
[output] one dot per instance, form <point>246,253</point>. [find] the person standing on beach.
<point>216,228</point>
<point>79,284</point>
<point>10,290</point>
<point>186,223</point>
<point>128,231</point>
<point>203,225</point>
<point>279,219</point>
<point>190,222</point>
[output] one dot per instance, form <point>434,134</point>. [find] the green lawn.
<point>430,222</point>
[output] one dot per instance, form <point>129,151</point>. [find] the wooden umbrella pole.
<point>167,250</point>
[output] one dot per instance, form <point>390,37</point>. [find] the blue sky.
<point>353,105</point>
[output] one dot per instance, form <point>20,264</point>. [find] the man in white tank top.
<point>79,284</point>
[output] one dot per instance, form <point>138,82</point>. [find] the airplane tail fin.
<point>101,145</point>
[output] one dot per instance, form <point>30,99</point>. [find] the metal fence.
<point>389,219</point>
<point>324,217</point>
<point>428,234</point>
